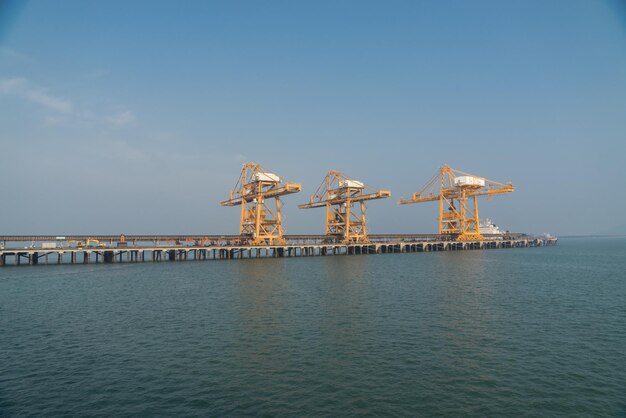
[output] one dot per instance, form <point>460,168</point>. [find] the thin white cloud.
<point>53,120</point>
<point>13,55</point>
<point>97,74</point>
<point>122,119</point>
<point>23,88</point>
<point>61,110</point>
<point>122,150</point>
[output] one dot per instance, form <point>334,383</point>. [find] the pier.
<point>153,248</point>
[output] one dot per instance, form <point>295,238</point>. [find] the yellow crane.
<point>259,221</point>
<point>87,243</point>
<point>453,188</point>
<point>338,193</point>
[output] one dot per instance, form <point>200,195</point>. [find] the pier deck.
<point>226,247</point>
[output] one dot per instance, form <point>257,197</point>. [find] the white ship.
<point>488,227</point>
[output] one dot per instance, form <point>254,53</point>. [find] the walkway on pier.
<point>87,255</point>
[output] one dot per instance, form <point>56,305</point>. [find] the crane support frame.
<point>457,193</point>
<point>259,219</point>
<point>344,200</point>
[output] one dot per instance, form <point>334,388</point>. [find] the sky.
<point>136,116</point>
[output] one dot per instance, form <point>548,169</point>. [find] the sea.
<point>524,332</point>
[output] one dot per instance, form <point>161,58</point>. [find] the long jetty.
<point>76,249</point>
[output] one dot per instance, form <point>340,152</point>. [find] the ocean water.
<point>510,332</point>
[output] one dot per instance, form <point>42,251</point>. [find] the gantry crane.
<point>452,188</point>
<point>338,193</point>
<point>260,222</point>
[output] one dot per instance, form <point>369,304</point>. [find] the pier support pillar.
<point>107,256</point>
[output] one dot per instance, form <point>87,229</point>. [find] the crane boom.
<point>370,196</point>
<point>288,188</point>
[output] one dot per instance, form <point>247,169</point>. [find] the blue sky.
<point>136,117</point>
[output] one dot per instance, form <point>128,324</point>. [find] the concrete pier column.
<point>3,260</point>
<point>34,258</point>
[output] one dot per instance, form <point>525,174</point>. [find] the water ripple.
<point>523,332</point>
